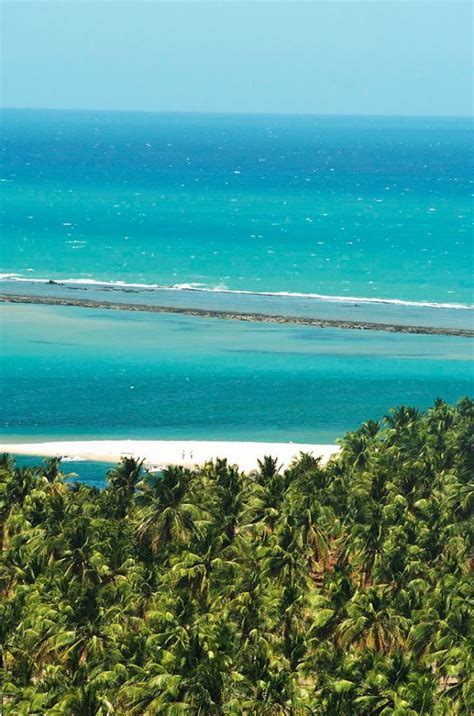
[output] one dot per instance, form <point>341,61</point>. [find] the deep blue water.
<point>363,207</point>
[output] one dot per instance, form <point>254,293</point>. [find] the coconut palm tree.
<point>123,480</point>
<point>372,623</point>
<point>227,484</point>
<point>167,515</point>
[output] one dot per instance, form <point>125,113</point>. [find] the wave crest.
<point>220,288</point>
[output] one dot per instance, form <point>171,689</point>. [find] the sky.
<point>394,57</point>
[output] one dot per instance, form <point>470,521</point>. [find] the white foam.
<point>199,287</point>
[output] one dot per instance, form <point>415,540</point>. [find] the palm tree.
<point>7,464</point>
<point>123,480</point>
<point>313,522</point>
<point>264,507</point>
<point>166,513</point>
<point>267,469</point>
<point>193,571</point>
<point>52,469</point>
<point>395,684</point>
<point>372,623</point>
<point>355,450</point>
<point>84,700</point>
<point>228,497</point>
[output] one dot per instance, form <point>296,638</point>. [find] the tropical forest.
<point>335,590</point>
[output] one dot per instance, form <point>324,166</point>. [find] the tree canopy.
<point>327,590</point>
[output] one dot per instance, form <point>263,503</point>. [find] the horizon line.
<point>236,113</point>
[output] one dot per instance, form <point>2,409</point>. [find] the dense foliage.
<point>340,590</point>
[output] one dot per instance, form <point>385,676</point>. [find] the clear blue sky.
<point>336,57</point>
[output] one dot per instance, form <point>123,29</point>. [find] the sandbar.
<point>159,453</point>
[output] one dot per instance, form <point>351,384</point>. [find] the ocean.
<point>365,218</point>
<point>341,207</point>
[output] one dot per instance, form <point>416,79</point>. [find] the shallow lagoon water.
<point>94,373</point>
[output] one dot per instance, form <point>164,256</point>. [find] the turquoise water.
<point>74,372</point>
<point>352,218</point>
<point>408,314</point>
<point>359,207</point>
<point>90,472</point>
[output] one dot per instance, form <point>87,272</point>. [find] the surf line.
<point>237,315</point>
<point>122,286</point>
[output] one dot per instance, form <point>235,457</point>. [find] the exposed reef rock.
<point>237,316</point>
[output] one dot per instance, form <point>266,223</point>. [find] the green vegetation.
<point>341,590</point>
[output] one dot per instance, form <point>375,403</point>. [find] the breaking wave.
<point>221,288</point>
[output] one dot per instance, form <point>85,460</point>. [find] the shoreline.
<point>159,453</point>
<point>236,315</point>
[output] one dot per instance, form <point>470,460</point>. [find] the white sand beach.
<point>159,453</point>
